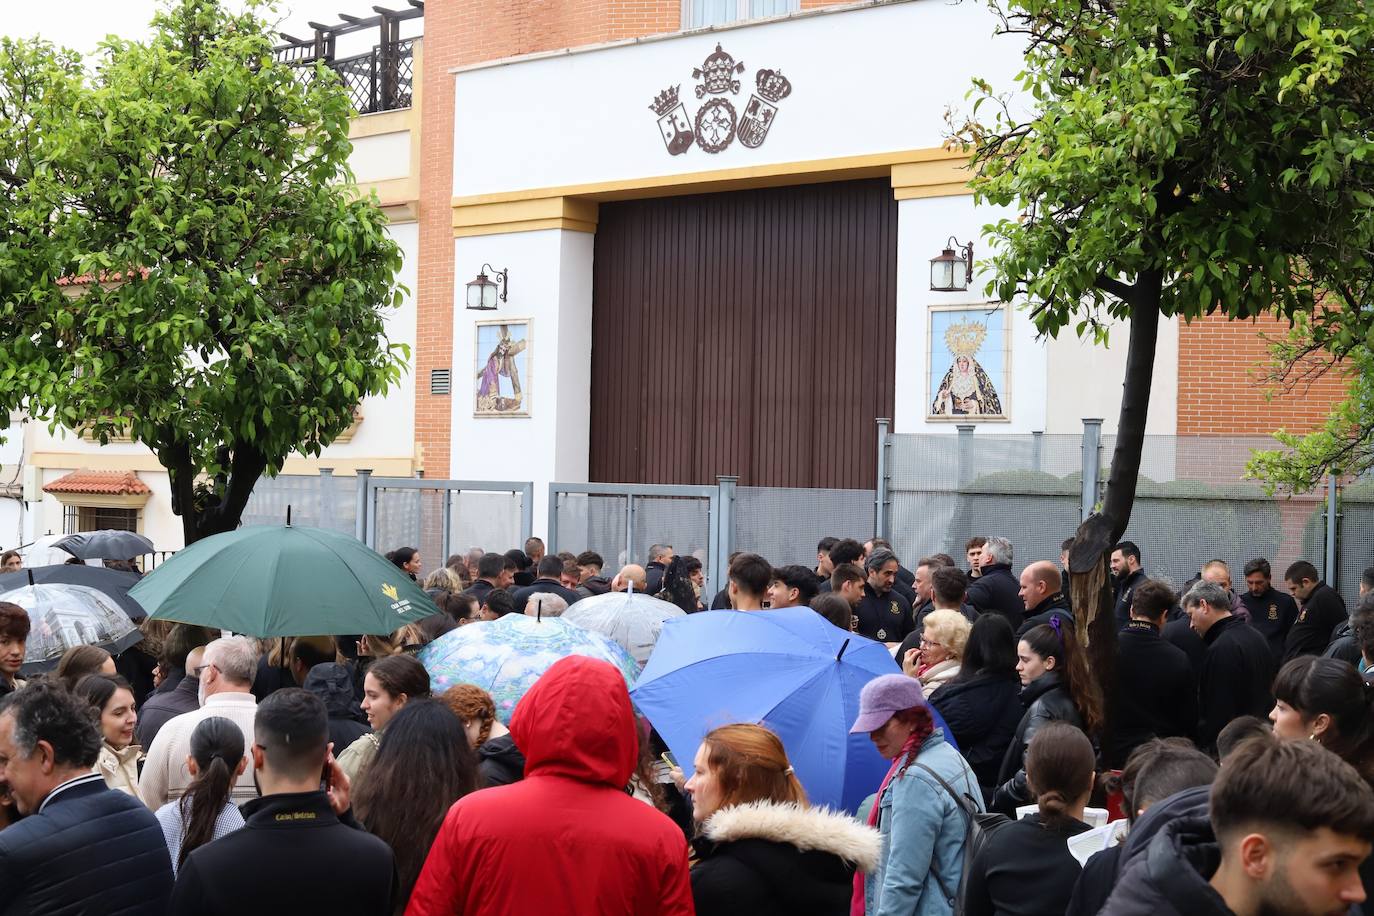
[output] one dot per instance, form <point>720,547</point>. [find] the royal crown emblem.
<point>715,124</point>
<point>964,338</point>
<point>390,591</point>
<point>772,85</point>
<point>717,73</point>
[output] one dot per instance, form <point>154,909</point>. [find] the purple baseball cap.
<point>883,696</point>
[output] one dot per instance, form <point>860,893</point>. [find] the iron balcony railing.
<point>382,79</point>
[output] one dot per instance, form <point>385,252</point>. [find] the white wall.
<point>551,284</point>
<point>924,226</point>
<point>380,157</point>
<point>875,79</point>
<point>1085,380</point>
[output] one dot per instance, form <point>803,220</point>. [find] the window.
<point>98,518</point>
<point>698,14</point>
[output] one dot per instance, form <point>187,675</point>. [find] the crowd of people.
<point>201,772</point>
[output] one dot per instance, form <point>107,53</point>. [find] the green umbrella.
<point>282,580</point>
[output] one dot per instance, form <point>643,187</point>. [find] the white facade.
<point>869,82</point>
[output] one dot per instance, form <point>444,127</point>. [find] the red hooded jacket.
<point>565,839</point>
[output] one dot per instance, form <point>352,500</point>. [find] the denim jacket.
<point>923,836</point>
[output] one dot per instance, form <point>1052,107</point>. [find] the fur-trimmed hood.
<point>808,829</point>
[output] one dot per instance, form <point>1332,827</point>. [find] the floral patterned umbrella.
<point>505,657</point>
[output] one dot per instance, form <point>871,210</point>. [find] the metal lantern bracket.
<point>503,279</point>
<point>965,254</point>
<point>484,283</point>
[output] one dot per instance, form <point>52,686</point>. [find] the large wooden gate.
<point>749,333</point>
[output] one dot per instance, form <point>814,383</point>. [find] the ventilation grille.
<point>439,382</point>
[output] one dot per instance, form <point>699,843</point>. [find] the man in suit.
<point>82,847</point>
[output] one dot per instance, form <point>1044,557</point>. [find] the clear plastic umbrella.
<point>62,616</point>
<point>632,619</point>
<point>505,657</point>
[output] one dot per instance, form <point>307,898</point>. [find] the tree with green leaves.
<point>1177,158</point>
<point>183,256</point>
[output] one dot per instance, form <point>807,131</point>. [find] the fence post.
<point>552,530</point>
<point>326,498</point>
<point>446,526</point>
<point>724,541</point>
<point>965,452</point>
<point>1092,463</point>
<point>527,511</point>
<point>1332,486</point>
<point>880,519</point>
<point>629,528</point>
<point>360,527</point>
<point>1037,450</point>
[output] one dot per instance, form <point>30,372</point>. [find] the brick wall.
<point>1221,387</point>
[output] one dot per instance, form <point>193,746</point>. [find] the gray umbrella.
<point>105,545</point>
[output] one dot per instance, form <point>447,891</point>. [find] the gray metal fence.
<point>440,517</point>
<point>1193,503</point>
<point>317,501</point>
<point>784,524</point>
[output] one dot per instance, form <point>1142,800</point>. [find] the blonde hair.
<point>446,579</point>
<point>951,630</point>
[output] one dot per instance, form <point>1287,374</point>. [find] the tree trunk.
<point>246,467</point>
<point>1091,589</point>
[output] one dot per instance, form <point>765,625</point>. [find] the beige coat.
<point>120,767</point>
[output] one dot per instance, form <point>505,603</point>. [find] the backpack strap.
<point>962,808</point>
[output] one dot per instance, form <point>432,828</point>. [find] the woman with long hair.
<point>499,762</point>
<point>760,847</point>
<point>979,705</point>
<point>112,701</point>
<point>206,812</point>
<point>922,823</point>
<point>423,765</point>
<point>1055,688</point>
<point>79,661</point>
<point>1026,867</point>
<point>389,684</point>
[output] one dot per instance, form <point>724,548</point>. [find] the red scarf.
<point>900,762</point>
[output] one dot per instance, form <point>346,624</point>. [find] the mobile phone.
<point>667,758</point>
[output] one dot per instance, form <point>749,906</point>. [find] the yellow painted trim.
<point>145,463</point>
<point>811,171</point>
<point>954,189</point>
<point>399,197</point>
<point>532,225</point>
<point>101,500</point>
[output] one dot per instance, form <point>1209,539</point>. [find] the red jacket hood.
<point>576,721</point>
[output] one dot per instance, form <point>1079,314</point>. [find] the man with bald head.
<point>1042,595</point>
<point>632,577</point>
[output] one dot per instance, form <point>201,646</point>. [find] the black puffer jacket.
<point>1169,858</point>
<point>766,858</point>
<point>982,714</point>
<point>90,849</point>
<point>500,761</point>
<point>1046,700</point>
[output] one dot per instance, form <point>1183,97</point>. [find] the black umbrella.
<point>113,582</point>
<point>105,545</point>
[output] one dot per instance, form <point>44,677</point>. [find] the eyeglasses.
<point>196,672</point>
<point>930,644</point>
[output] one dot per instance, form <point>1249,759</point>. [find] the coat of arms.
<point>773,87</point>
<point>716,124</point>
<point>673,122</point>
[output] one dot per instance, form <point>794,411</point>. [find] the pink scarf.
<point>900,762</point>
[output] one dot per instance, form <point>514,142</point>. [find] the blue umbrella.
<point>789,670</point>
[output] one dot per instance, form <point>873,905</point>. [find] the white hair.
<point>545,604</point>
<point>996,550</point>
<point>236,657</point>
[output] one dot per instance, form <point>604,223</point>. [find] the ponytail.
<point>1053,640</point>
<point>217,746</point>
